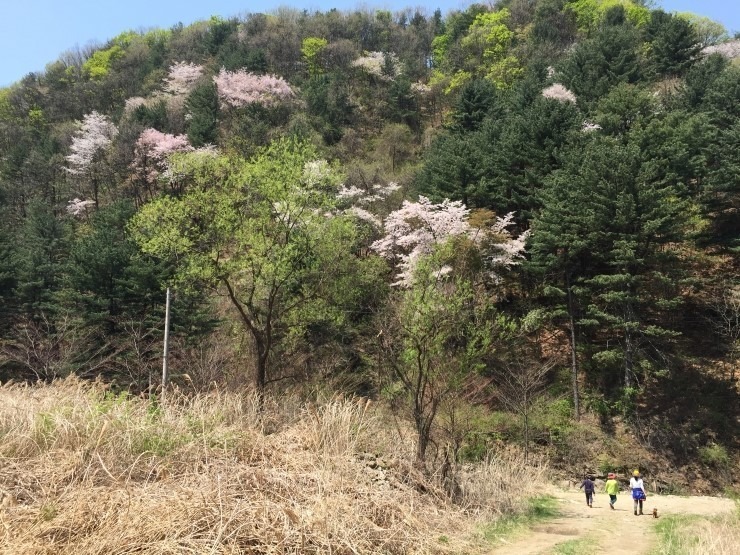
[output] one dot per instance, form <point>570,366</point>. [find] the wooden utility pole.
<point>165,375</point>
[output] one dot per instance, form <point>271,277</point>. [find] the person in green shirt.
<point>612,488</point>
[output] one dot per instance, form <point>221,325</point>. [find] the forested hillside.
<point>512,224</point>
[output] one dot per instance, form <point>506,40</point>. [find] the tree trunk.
<point>573,350</point>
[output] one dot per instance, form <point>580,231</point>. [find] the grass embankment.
<point>538,509</point>
<point>694,535</point>
<point>83,471</point>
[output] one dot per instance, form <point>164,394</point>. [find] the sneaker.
<point>611,506</point>
<point>635,513</point>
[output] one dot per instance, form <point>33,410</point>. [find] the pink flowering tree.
<point>151,155</point>
<point>89,146</point>
<point>240,88</point>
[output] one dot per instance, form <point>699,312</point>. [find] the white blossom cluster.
<point>413,231</point>
<point>316,172</point>
<point>375,62</point>
<point>78,207</point>
<point>559,92</point>
<point>377,193</point>
<point>95,134</point>
<point>182,78</point>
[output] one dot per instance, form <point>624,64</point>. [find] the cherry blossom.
<point>240,88</point>
<point>182,78</point>
<point>95,134</point>
<point>375,63</point>
<point>729,49</point>
<point>414,230</point>
<point>77,207</point>
<point>558,92</point>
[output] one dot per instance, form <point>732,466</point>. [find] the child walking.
<point>612,488</point>
<point>588,487</point>
<point>638,491</point>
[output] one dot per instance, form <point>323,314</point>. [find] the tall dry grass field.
<point>83,471</point>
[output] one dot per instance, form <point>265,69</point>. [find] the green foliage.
<point>154,116</point>
<point>39,260</point>
<point>98,65</point>
<point>591,13</point>
<point>599,63</point>
<point>580,546</point>
<point>539,509</point>
<point>327,97</point>
<point>114,283</point>
<point>715,455</point>
<point>202,106</point>
<point>257,229</point>
<point>674,46</point>
<point>312,50</point>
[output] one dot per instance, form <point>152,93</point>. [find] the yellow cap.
<point>636,472</point>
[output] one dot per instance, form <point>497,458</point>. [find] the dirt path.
<point>611,532</point>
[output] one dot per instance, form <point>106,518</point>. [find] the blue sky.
<point>35,32</point>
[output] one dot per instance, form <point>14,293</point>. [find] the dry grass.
<point>502,480</point>
<point>85,472</point>
<point>700,536</point>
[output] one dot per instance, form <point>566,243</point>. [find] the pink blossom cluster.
<point>240,88</point>
<point>152,149</point>
<point>729,49</point>
<point>95,134</point>
<point>158,145</point>
<point>182,78</point>
<point>560,93</point>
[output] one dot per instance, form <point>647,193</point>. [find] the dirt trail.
<point>611,532</point>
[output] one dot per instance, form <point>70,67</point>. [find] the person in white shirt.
<point>638,491</point>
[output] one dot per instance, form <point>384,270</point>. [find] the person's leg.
<point>640,506</point>
<point>634,506</point>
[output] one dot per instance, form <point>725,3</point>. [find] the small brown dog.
<point>655,513</point>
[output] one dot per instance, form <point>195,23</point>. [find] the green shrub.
<point>714,455</point>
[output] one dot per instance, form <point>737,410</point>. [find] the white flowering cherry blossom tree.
<point>89,145</point>
<point>439,325</point>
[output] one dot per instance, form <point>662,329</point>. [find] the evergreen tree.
<point>599,63</point>
<point>674,45</point>
<point>604,234</point>
<point>202,106</point>
<point>40,261</point>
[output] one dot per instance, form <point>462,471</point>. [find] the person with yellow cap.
<point>638,491</point>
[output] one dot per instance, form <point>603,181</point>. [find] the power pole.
<point>165,375</point>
